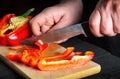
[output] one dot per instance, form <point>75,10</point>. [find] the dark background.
<point>20,6</point>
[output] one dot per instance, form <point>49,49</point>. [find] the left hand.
<point>105,19</point>
<point>56,17</point>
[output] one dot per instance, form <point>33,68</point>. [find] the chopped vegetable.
<point>74,62</point>
<point>33,57</point>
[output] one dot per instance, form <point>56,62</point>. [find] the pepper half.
<point>14,28</point>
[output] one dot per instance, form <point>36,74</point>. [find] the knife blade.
<point>60,34</point>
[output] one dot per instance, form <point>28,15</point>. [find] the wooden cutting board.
<point>90,68</point>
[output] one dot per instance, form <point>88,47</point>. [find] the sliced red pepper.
<point>12,33</point>
<point>34,52</point>
<point>34,61</point>
<point>75,61</point>
<point>14,56</point>
<point>33,57</point>
<point>78,53</point>
<point>62,56</point>
<point>41,45</point>
<point>24,58</point>
<point>30,56</point>
<point>89,53</point>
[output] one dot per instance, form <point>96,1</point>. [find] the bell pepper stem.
<point>28,12</point>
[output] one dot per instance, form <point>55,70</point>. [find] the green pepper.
<point>14,28</point>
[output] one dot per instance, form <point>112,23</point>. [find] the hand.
<point>105,19</point>
<point>64,14</point>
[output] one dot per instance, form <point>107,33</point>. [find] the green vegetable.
<point>27,13</point>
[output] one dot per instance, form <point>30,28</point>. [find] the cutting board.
<point>90,68</point>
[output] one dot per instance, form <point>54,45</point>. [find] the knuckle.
<point>92,24</point>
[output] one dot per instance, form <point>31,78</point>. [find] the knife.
<point>60,34</point>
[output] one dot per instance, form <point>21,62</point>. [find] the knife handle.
<point>86,28</point>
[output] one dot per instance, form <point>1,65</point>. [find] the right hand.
<point>105,19</point>
<point>58,16</point>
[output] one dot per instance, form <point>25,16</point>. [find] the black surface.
<point>8,73</point>
<point>110,64</point>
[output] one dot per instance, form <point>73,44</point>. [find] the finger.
<point>116,17</point>
<point>35,27</point>
<point>94,23</point>
<point>49,22</point>
<point>106,24</point>
<point>36,24</point>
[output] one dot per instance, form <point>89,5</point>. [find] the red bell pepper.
<point>62,56</point>
<point>41,45</point>
<point>74,62</point>
<point>14,56</point>
<point>14,28</point>
<point>4,21</point>
<point>32,56</point>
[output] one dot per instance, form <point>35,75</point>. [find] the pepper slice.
<point>62,56</point>
<point>41,45</point>
<point>74,62</point>
<point>14,28</point>
<point>14,56</point>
